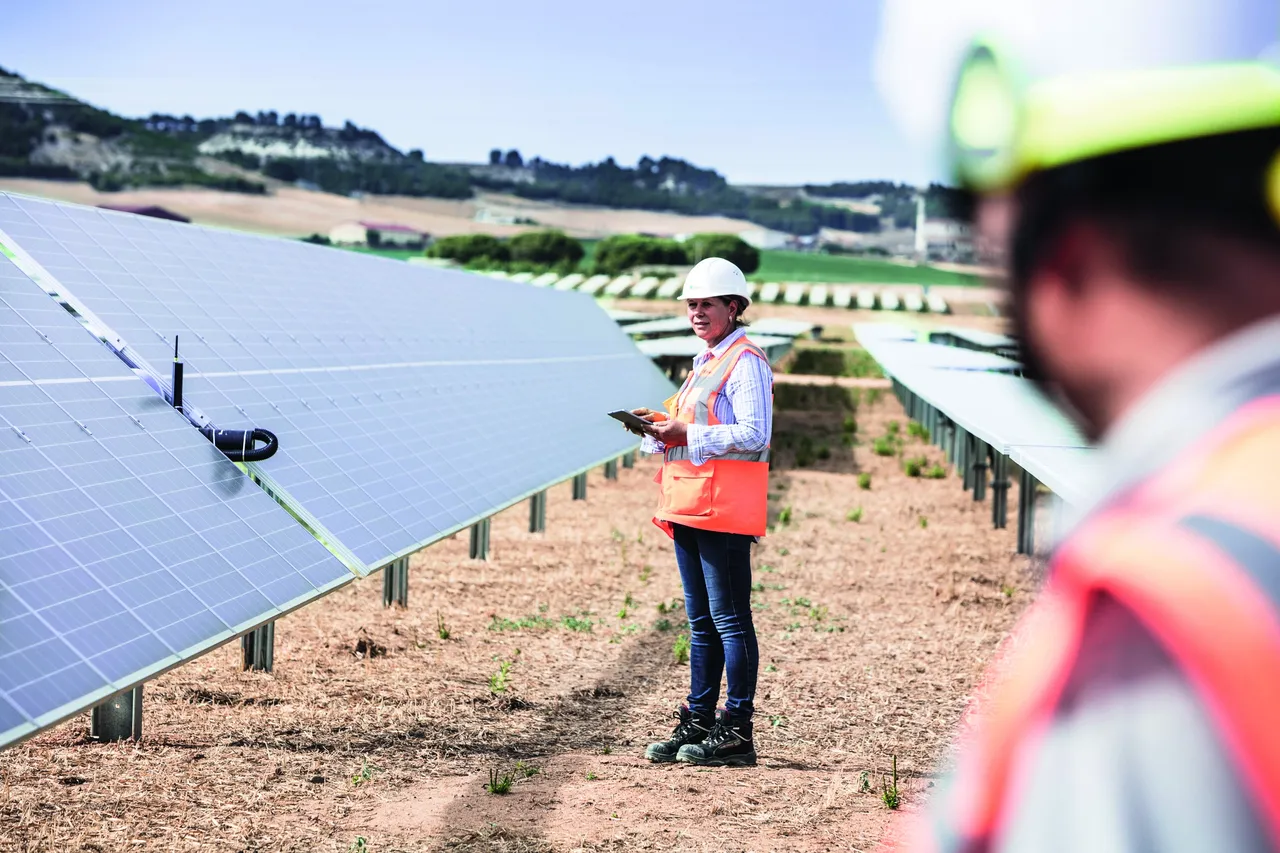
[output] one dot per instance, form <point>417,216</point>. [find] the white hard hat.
<point>715,277</point>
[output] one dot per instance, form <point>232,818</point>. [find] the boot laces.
<point>685,727</point>
<point>720,735</point>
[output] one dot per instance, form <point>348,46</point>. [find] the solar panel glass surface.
<point>127,542</point>
<point>407,400</point>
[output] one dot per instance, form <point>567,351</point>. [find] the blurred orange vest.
<point>728,493</point>
<point>1194,554</point>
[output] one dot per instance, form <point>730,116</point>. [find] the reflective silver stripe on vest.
<point>701,386</point>
<point>1256,556</point>
<point>681,453</point>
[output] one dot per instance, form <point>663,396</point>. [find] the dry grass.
<point>290,211</point>
<point>871,635</point>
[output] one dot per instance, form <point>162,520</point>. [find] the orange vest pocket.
<point>688,493</point>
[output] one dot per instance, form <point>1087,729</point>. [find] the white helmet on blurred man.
<point>716,277</point>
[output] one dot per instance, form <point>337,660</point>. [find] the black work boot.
<point>692,728</point>
<point>728,744</point>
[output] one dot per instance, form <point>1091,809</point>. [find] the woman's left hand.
<point>672,433</point>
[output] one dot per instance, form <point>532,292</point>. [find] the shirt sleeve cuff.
<point>649,444</point>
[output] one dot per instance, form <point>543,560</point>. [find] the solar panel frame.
<point>128,544</point>
<point>244,390</point>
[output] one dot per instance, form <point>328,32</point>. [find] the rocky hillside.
<point>292,141</point>
<point>50,134</point>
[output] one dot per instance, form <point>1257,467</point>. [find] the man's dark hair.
<point>1170,208</point>
<point>738,322</point>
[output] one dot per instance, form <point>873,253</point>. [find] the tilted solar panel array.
<point>409,401</point>
<point>127,542</point>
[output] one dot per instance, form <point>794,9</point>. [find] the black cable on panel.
<point>239,445</point>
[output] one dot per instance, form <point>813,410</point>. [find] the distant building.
<point>378,234</point>
<point>152,210</point>
<point>948,239</point>
<point>765,238</point>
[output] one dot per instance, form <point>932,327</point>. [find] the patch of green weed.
<point>680,649</point>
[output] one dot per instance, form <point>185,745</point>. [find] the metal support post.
<point>118,718</point>
<point>980,469</point>
<point>611,469</point>
<point>1027,514</point>
<point>538,513</point>
<point>629,460</point>
<point>480,540</point>
<point>999,491</point>
<point>966,459</point>
<point>258,648</point>
<point>395,583</point>
<point>580,487</point>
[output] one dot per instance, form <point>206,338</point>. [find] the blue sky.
<point>763,91</point>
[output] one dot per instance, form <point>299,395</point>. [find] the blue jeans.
<point>715,570</point>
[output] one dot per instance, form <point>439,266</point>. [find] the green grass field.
<point>398,254</point>
<point>804,266</point>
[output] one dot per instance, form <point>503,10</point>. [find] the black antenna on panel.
<point>239,445</point>
<point>177,376</point>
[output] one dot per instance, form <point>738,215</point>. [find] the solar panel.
<point>1071,473</point>
<point>406,399</point>
<point>644,288</point>
<point>127,542</point>
<point>774,346</point>
<point>866,299</point>
<point>669,288</point>
<point>661,326</point>
<point>794,294</point>
<point>818,294</point>
<point>781,326</point>
<point>770,291</point>
<point>594,284</point>
<point>620,285</point>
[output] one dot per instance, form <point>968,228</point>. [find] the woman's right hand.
<point>649,415</point>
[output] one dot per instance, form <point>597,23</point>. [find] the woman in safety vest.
<point>714,441</point>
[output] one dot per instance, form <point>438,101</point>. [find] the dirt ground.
<point>872,633</point>
<point>290,211</point>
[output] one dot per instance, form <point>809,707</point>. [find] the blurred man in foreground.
<point>1137,707</point>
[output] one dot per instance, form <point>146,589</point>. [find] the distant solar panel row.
<point>127,543</point>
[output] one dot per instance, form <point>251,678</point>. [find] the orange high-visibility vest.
<point>1194,554</point>
<point>727,493</point>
